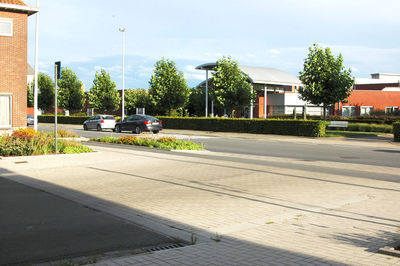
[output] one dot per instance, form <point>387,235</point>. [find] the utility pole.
<point>35,90</point>
<point>57,75</point>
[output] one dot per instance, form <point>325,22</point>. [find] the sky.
<point>84,35</point>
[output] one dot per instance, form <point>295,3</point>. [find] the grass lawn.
<point>351,134</point>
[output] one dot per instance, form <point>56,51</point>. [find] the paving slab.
<point>36,226</point>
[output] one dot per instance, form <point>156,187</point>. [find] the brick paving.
<point>308,213</point>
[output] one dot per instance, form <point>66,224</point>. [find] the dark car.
<point>139,123</point>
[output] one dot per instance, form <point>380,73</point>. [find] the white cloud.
<point>191,72</point>
<point>273,51</point>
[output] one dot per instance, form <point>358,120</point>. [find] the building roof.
<point>361,81</point>
<point>262,75</point>
<point>13,2</point>
<point>31,71</point>
<point>17,6</point>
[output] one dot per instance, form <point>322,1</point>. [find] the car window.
<point>108,117</point>
<point>149,117</point>
<point>131,118</point>
<point>30,116</point>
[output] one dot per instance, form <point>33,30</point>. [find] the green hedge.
<point>396,131</point>
<point>76,120</point>
<point>364,127</point>
<point>259,126</point>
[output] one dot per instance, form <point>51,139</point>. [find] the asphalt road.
<point>285,149</point>
<point>36,226</point>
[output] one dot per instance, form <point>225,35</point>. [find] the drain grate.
<point>160,248</point>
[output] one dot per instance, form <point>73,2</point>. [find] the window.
<point>366,110</point>
<point>6,27</point>
<point>348,111</point>
<point>5,111</point>
<point>391,109</point>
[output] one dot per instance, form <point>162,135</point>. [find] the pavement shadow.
<point>388,151</point>
<point>239,252</point>
<point>371,243</point>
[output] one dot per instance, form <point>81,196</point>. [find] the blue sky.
<point>84,35</point>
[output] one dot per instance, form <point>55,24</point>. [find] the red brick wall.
<point>13,66</point>
<point>378,99</point>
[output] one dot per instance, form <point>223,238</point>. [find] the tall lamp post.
<point>123,71</point>
<point>35,89</point>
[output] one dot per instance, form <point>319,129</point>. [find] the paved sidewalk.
<point>239,213</point>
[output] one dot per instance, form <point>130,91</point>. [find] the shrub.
<point>259,126</point>
<point>396,131</point>
<point>67,134</point>
<point>76,120</point>
<point>162,143</point>
<point>363,127</point>
<point>11,146</point>
<point>24,133</point>
<point>76,149</point>
<point>30,142</point>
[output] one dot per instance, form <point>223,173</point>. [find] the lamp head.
<point>122,29</point>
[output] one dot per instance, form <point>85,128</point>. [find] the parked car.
<point>100,122</point>
<point>139,123</point>
<point>30,120</point>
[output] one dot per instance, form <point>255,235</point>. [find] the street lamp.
<point>123,71</point>
<point>35,89</point>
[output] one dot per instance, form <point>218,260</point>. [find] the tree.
<point>30,94</point>
<point>138,98</point>
<point>325,79</point>
<point>103,95</point>
<point>196,104</point>
<point>71,95</point>
<point>229,86</point>
<point>46,92</point>
<point>168,87</point>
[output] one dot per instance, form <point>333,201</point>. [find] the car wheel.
<point>156,131</point>
<point>85,127</point>
<point>117,129</point>
<point>138,130</point>
<point>98,128</point>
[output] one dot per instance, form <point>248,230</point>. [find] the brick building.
<point>381,92</point>
<point>13,62</point>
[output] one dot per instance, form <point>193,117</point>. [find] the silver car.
<point>29,120</point>
<point>100,122</point>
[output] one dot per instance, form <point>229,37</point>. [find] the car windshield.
<point>108,117</point>
<point>30,116</point>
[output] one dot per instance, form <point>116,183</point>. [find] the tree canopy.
<point>229,86</point>
<point>46,92</point>
<point>168,87</point>
<point>71,95</point>
<point>138,98</point>
<point>325,78</point>
<point>104,96</point>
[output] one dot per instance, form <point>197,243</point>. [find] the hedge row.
<point>364,127</point>
<point>259,126</point>
<point>76,120</point>
<point>396,131</point>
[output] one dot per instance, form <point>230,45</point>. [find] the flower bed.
<point>27,141</point>
<point>161,143</point>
